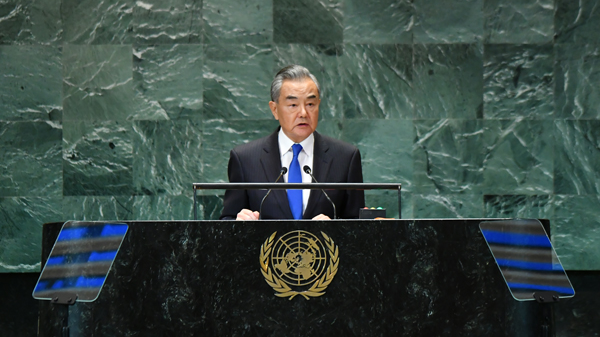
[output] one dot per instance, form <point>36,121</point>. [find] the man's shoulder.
<point>257,144</point>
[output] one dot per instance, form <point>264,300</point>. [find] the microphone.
<point>309,172</point>
<point>281,173</point>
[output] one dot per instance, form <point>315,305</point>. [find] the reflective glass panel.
<point>80,261</point>
<point>526,258</point>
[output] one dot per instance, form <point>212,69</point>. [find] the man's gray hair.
<point>293,72</point>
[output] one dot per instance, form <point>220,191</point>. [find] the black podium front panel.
<point>392,278</point>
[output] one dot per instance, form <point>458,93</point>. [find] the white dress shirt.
<point>305,157</point>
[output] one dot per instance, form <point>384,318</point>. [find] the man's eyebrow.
<point>291,97</point>
<point>312,96</point>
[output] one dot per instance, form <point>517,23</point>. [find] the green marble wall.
<point>481,108</point>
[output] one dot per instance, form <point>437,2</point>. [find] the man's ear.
<point>273,107</point>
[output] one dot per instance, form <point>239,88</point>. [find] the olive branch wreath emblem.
<point>283,290</point>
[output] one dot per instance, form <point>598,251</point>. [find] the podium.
<point>429,277</point>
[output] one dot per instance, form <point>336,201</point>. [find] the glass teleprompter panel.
<point>526,258</point>
<point>80,261</point>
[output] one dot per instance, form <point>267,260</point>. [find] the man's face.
<point>297,109</point>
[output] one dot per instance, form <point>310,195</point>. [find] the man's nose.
<point>303,112</point>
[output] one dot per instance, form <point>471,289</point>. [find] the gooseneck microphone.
<point>281,173</point>
<point>309,172</point>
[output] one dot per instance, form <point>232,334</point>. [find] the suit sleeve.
<point>356,198</point>
<point>234,200</point>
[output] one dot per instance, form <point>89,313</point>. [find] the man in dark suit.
<point>295,99</point>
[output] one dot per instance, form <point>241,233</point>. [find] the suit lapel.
<point>271,163</point>
<point>321,163</point>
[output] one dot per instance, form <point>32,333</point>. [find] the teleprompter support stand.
<point>64,302</point>
<point>545,299</point>
<point>65,329</point>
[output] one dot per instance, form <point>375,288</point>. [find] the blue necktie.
<point>295,176</point>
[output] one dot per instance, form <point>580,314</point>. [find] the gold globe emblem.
<point>299,264</point>
<point>298,258</point>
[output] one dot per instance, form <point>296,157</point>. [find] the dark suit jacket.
<point>259,161</point>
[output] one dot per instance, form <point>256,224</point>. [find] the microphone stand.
<point>309,172</point>
<point>281,173</point>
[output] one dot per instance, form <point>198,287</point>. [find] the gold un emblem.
<point>299,264</point>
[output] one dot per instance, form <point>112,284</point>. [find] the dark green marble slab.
<point>577,157</point>
<point>388,200</point>
<point>30,22</point>
<point>167,21</point>
<point>94,208</point>
<point>386,148</point>
<point>518,21</point>
<point>519,206</point>
<point>448,21</point>
<point>519,157</point>
<point>493,157</point>
<point>447,206</point>
<point>577,22</point>
<point>220,136</point>
<point>30,162</point>
<point>168,81</point>
<point>92,22</point>
<point>448,157</point>
<point>164,207</point>
<point>386,151</point>
<point>21,220</point>
<point>448,81</point>
<point>210,206</point>
<point>378,81</point>
<point>577,90</point>
<point>308,21</point>
<point>237,81</point>
<point>518,81</point>
<point>30,83</point>
<point>332,128</point>
<point>576,231</point>
<point>323,61</point>
<point>168,157</point>
<point>97,158</point>
<point>378,21</point>
<point>97,82</point>
<point>232,21</point>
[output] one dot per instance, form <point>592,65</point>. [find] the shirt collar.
<point>285,144</point>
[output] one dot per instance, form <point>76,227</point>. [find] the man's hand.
<point>246,214</point>
<point>321,217</point>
